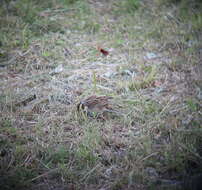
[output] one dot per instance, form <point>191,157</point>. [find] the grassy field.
<point>50,60</point>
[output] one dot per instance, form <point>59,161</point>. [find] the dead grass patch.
<point>152,72</point>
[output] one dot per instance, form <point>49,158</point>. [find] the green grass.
<point>157,124</point>
<point>132,5</point>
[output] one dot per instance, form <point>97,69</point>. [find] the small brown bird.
<point>95,104</point>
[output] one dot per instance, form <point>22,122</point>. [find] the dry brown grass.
<point>44,141</point>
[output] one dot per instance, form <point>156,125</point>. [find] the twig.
<point>150,155</point>
<point>42,175</point>
<point>91,171</point>
<point>26,101</point>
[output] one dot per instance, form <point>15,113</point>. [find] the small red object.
<point>104,52</point>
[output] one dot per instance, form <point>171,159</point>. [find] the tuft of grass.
<point>35,18</point>
<point>5,123</point>
<point>58,156</point>
<point>27,10</point>
<point>128,6</point>
<point>192,104</point>
<point>132,5</point>
<point>144,82</point>
<point>86,152</point>
<point>67,2</point>
<point>45,25</point>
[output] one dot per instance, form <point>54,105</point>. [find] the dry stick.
<point>44,174</point>
<point>91,171</point>
<point>150,155</point>
<point>166,106</point>
<point>11,161</point>
<point>169,15</point>
<point>26,101</point>
<point>27,159</point>
<point>42,163</point>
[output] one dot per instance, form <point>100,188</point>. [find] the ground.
<point>50,60</point>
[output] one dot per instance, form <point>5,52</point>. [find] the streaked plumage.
<point>95,104</point>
